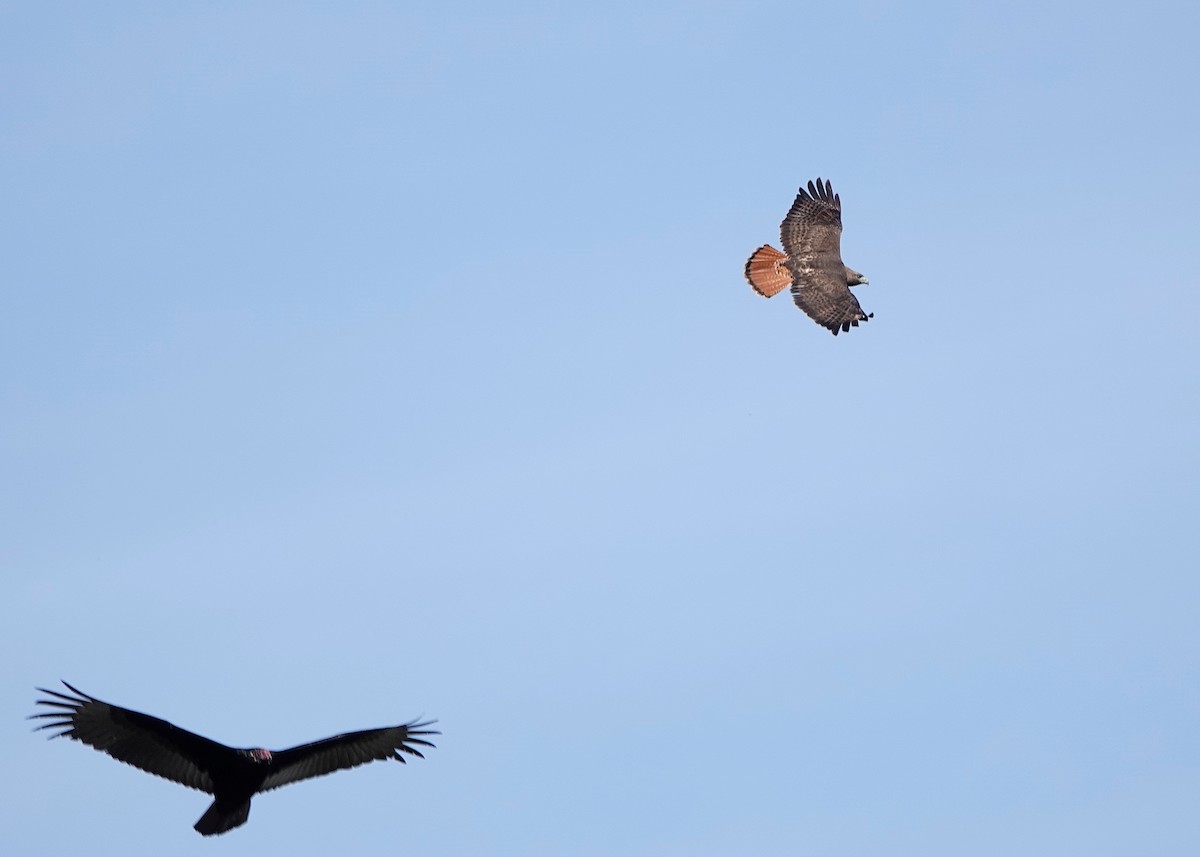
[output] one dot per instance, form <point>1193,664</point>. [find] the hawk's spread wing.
<point>811,235</point>
<point>812,231</point>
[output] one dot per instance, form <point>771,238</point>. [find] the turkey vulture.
<point>230,775</point>
<point>812,236</point>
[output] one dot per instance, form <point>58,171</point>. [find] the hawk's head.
<point>854,278</point>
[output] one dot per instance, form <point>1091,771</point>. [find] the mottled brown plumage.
<point>811,263</point>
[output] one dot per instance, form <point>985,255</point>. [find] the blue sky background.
<point>365,360</point>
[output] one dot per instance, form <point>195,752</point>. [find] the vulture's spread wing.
<point>346,751</point>
<point>146,742</point>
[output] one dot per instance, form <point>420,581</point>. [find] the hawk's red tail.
<point>766,272</point>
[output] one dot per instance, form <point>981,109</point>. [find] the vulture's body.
<point>232,776</point>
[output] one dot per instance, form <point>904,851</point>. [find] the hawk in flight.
<point>811,263</point>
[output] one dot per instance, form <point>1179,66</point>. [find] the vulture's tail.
<point>222,817</point>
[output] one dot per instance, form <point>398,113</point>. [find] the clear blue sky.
<point>368,360</point>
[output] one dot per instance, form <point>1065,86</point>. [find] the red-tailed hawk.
<point>812,262</point>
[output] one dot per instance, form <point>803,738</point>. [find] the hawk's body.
<point>811,263</point>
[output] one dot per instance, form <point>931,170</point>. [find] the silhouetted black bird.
<point>230,775</point>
